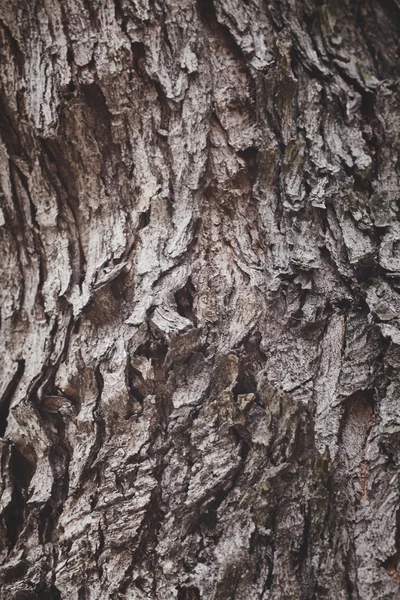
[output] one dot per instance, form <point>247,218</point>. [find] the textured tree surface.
<point>200,299</point>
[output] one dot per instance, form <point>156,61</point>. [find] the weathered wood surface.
<point>200,309</point>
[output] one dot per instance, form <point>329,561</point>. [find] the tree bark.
<point>200,299</point>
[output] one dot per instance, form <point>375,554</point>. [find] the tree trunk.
<point>200,299</point>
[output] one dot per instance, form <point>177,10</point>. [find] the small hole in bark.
<point>391,565</point>
<point>94,498</point>
<point>70,57</point>
<point>364,274</point>
<point>391,459</point>
<point>343,305</point>
<point>362,184</point>
<point>144,219</point>
<point>153,349</point>
<point>184,300</point>
<point>135,392</point>
<point>98,115</point>
<point>246,384</point>
<point>189,593</point>
<point>139,55</point>
<point>249,155</point>
<point>119,15</point>
<point>70,90</point>
<point>119,288</point>
<point>140,583</point>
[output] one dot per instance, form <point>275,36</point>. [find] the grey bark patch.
<point>199,300</point>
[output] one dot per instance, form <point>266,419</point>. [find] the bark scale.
<point>200,299</point>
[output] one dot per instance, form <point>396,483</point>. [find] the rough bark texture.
<point>200,299</point>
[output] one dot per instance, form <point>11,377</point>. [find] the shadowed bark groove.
<point>200,300</point>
